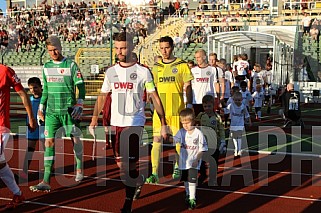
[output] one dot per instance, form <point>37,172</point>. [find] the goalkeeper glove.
<point>77,109</point>
<point>40,115</point>
<point>222,148</point>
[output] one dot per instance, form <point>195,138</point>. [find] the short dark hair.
<point>243,84</point>
<point>123,36</point>
<point>34,80</point>
<point>167,39</point>
<point>207,99</point>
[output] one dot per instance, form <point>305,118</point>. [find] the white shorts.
<point>3,142</point>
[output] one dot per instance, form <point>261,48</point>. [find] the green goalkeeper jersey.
<point>59,91</point>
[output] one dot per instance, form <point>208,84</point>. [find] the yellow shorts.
<point>172,122</point>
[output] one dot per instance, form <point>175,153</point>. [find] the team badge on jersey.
<point>174,70</point>
<point>133,76</point>
<point>79,74</point>
<point>62,71</point>
<point>213,122</point>
<point>208,73</point>
<point>195,141</point>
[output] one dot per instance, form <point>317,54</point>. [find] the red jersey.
<point>8,78</point>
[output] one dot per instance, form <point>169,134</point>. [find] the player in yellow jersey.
<point>171,75</point>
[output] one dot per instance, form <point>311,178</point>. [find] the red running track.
<point>252,183</point>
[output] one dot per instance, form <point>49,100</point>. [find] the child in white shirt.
<point>238,114</point>
<point>193,144</point>
<point>246,95</point>
<point>258,97</point>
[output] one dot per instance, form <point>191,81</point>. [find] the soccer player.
<point>171,76</point>
<point>127,80</point>
<point>10,79</point>
<point>193,145</point>
<point>238,114</point>
<point>211,122</point>
<point>258,97</point>
<point>61,76</point>
<point>206,80</point>
<point>35,88</point>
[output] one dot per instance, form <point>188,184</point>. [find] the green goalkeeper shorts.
<point>59,125</point>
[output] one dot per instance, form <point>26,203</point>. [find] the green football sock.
<point>49,160</point>
<point>78,151</point>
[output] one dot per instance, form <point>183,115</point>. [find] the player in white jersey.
<point>127,81</point>
<point>193,145</point>
<point>258,97</point>
<point>242,65</point>
<point>257,77</point>
<point>238,113</point>
<point>268,90</point>
<point>206,80</point>
<point>246,95</point>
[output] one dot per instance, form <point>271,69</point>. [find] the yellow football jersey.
<point>208,124</point>
<point>169,79</point>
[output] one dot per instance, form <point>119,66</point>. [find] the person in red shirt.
<point>8,78</point>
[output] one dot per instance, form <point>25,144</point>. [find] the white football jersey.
<point>258,98</point>
<point>204,80</point>
<point>246,97</point>
<point>237,114</point>
<point>242,66</point>
<point>191,145</point>
<point>229,78</point>
<point>127,85</point>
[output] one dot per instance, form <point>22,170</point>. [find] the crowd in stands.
<point>76,21</point>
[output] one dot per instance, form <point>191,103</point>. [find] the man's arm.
<point>98,108</point>
<point>160,111</point>
<point>189,94</point>
<point>27,104</point>
<point>222,86</point>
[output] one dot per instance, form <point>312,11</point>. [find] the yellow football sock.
<point>178,151</point>
<point>155,156</point>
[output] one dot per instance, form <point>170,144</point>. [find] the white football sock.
<point>192,190</point>
<point>8,178</point>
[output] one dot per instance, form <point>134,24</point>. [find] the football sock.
<point>178,151</point>
<point>28,158</point>
<point>186,184</point>
<point>155,156</point>
<point>192,190</point>
<point>78,151</point>
<point>8,178</point>
<point>49,159</point>
<point>259,114</point>
<point>239,144</point>
<point>235,143</point>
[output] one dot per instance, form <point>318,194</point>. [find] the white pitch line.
<point>248,193</point>
<point>57,206</point>
<point>222,167</point>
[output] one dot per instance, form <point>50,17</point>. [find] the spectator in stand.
<point>177,7</point>
<point>314,33</point>
<point>306,21</point>
<point>177,41</point>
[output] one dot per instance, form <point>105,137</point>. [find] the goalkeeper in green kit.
<point>61,76</point>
